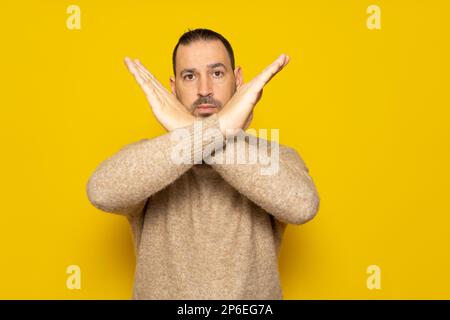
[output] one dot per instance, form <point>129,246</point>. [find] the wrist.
<point>182,122</point>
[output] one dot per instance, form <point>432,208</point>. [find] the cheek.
<point>224,92</point>
<point>186,96</point>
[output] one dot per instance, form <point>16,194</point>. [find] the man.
<point>204,231</point>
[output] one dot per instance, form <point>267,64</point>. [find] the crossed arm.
<point>123,183</point>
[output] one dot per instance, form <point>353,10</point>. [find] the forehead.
<point>200,53</point>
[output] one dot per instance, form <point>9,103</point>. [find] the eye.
<point>218,74</point>
<point>190,75</point>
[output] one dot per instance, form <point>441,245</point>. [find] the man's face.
<point>204,80</point>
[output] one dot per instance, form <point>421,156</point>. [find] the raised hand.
<point>168,110</point>
<point>238,112</point>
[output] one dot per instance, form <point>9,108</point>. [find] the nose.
<point>204,87</point>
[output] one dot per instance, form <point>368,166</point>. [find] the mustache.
<point>206,100</point>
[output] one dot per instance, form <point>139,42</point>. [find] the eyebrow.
<point>211,66</point>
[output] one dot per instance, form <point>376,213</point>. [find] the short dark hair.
<point>201,34</point>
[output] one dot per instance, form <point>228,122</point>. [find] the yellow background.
<point>368,110</point>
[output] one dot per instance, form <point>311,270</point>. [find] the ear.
<point>238,76</point>
<point>172,85</point>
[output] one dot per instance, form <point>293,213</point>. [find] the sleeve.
<point>288,192</point>
<point>122,183</point>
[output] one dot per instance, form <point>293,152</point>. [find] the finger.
<point>286,61</point>
<point>141,67</point>
<point>143,83</point>
<point>130,65</point>
<point>288,58</point>
<point>134,69</point>
<point>270,71</point>
<point>157,89</point>
<point>149,75</point>
<point>145,74</point>
<point>274,68</point>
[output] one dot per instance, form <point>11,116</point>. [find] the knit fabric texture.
<point>204,231</point>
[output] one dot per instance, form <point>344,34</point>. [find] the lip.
<point>206,109</point>
<point>206,106</point>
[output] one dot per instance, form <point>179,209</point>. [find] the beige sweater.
<point>204,231</point>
